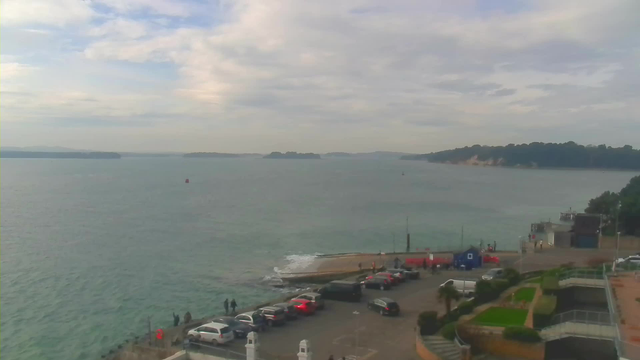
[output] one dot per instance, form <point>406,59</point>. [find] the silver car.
<point>493,274</point>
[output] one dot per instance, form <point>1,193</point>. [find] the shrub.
<point>597,261</point>
<point>521,333</point>
<point>485,292</point>
<point>449,331</point>
<point>512,276</point>
<point>543,311</point>
<point>499,286</point>
<point>466,307</point>
<point>428,322</point>
<point>549,284</point>
<point>452,316</point>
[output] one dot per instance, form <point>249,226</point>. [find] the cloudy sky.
<point>259,76</point>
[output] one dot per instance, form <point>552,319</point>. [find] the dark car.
<point>341,290</point>
<point>411,274</point>
<point>384,306</point>
<point>381,283</point>
<point>290,312</point>
<point>240,330</point>
<point>400,274</point>
<point>274,315</point>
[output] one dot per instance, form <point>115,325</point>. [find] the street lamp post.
<point>356,313</point>
<point>617,232</point>
<point>520,250</point>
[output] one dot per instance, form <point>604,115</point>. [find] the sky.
<point>317,76</point>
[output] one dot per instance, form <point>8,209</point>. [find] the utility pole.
<point>617,232</point>
<point>394,243</point>
<point>408,237</point>
<point>462,238</point>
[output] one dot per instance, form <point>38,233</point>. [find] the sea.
<point>91,250</point>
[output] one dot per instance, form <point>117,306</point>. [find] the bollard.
<point>252,346</point>
<point>305,350</point>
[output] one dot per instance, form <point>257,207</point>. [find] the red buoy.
<point>186,181</point>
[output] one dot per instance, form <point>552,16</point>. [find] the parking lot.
<point>350,329</point>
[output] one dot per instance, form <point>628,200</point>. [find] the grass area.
<point>525,294</point>
<point>497,316</point>
<point>536,280</point>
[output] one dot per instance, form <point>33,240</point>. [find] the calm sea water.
<point>90,249</point>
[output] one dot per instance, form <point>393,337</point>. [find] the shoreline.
<point>526,167</point>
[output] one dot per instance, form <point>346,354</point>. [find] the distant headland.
<point>210,155</point>
<point>539,155</point>
<point>58,155</point>
<point>291,155</point>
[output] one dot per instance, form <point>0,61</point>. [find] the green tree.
<point>630,207</point>
<point>447,294</point>
<point>607,205</point>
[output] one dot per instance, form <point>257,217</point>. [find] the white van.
<point>466,286</point>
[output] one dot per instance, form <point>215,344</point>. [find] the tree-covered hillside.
<point>625,206</point>
<point>537,154</point>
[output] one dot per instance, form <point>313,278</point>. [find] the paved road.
<point>339,332</point>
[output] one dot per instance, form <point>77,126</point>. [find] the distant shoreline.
<point>525,167</point>
<point>59,155</point>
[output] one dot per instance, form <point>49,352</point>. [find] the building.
<point>469,259</point>
<point>586,230</point>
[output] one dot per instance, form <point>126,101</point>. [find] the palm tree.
<point>447,294</point>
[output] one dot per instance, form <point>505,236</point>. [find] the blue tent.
<point>469,259</point>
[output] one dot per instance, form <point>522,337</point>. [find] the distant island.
<point>338,154</point>
<point>291,155</point>
<point>537,154</point>
<point>210,155</point>
<point>58,155</point>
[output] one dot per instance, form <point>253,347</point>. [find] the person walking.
<point>176,319</point>
<point>424,264</point>
<point>187,317</point>
<point>360,266</point>
<point>373,267</point>
<point>226,306</point>
<point>234,305</point>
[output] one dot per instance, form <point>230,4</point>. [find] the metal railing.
<point>614,314</point>
<point>583,316</point>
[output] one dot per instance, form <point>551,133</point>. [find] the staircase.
<point>443,348</point>
<point>570,328</point>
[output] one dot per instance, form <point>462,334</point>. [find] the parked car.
<point>273,314</point>
<point>466,286</point>
<point>493,274</point>
<point>410,273</point>
<point>384,306</point>
<point>341,290</point>
<point>392,280</point>
<point>290,312</point>
<point>214,333</point>
<point>633,259</point>
<point>314,298</point>
<point>303,306</point>
<point>400,274</point>
<point>254,319</point>
<point>240,329</point>
<point>377,283</point>
<point>393,277</point>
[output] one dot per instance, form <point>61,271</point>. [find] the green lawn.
<point>497,316</point>
<point>525,294</point>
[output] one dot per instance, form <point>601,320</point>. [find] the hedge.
<point>428,322</point>
<point>543,311</point>
<point>549,284</point>
<point>466,307</point>
<point>449,331</point>
<point>485,292</point>
<point>521,333</point>
<point>512,276</point>
<point>500,285</point>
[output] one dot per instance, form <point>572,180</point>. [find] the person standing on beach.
<point>373,267</point>
<point>234,305</point>
<point>187,317</point>
<point>176,319</point>
<point>226,306</point>
<point>359,266</point>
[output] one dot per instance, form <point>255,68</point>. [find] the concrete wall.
<point>581,298</point>
<point>626,242</point>
<point>496,345</point>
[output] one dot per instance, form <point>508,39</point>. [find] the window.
<point>448,283</point>
<point>306,297</point>
<point>470,256</point>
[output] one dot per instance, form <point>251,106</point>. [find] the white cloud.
<point>9,70</point>
<point>120,28</point>
<point>48,12</point>
<point>161,7</point>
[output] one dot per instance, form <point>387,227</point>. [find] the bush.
<point>512,276</point>
<point>549,284</point>
<point>445,319</point>
<point>428,322</point>
<point>521,333</point>
<point>485,292</point>
<point>466,307</point>
<point>499,286</point>
<point>449,331</point>
<point>597,261</point>
<point>543,311</point>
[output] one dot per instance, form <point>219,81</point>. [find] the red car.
<point>303,306</point>
<point>392,279</point>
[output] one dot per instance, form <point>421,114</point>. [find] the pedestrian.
<point>360,266</point>
<point>226,306</point>
<point>176,319</point>
<point>187,317</point>
<point>424,264</point>
<point>396,263</point>
<point>234,305</point>
<point>373,267</point>
<point>495,246</point>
